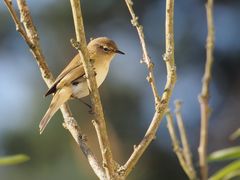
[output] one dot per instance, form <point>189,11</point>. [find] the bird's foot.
<point>90,111</point>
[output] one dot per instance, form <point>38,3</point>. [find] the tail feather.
<point>59,98</point>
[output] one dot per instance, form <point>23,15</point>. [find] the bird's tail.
<point>59,98</point>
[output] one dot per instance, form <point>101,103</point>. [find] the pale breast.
<point>81,90</point>
<point>102,72</point>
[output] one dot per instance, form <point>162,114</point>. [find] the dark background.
<point>126,95</point>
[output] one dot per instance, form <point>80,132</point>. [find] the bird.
<point>72,83</point>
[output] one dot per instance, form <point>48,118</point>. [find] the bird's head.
<point>103,47</point>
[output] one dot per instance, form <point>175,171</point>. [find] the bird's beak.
<point>119,52</point>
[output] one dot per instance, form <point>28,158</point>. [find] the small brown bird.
<point>71,83</point>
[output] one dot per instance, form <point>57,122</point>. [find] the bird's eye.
<point>105,49</point>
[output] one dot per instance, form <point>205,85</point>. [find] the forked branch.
<point>183,153</point>
<point>30,36</point>
<point>185,144</point>
<point>29,33</point>
<point>161,104</point>
<point>176,147</point>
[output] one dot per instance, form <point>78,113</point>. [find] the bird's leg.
<point>88,105</point>
<point>85,78</point>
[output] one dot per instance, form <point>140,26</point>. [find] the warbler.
<point>72,83</point>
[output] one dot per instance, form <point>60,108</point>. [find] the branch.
<point>204,96</point>
<point>183,135</point>
<point>178,151</point>
<point>146,58</point>
<point>99,123</point>
<point>160,105</point>
<point>30,36</point>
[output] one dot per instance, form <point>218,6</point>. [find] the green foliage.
<point>228,172</point>
<point>232,170</point>
<point>235,135</point>
<point>225,154</point>
<point>13,159</point>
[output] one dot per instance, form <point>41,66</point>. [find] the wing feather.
<point>73,71</point>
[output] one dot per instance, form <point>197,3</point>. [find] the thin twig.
<point>30,36</point>
<point>204,96</point>
<point>99,123</point>
<point>177,149</point>
<point>162,105</point>
<point>33,45</point>
<point>183,135</point>
<point>146,58</point>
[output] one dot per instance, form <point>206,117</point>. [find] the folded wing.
<point>73,71</point>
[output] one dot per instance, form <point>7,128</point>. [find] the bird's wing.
<point>73,71</point>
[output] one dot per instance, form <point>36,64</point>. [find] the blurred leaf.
<point>235,135</point>
<point>14,159</point>
<point>226,171</point>
<point>232,175</point>
<point>225,154</point>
